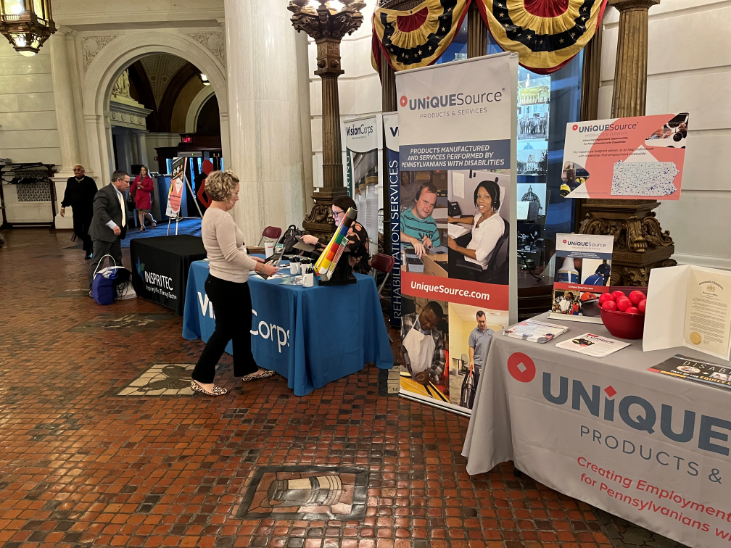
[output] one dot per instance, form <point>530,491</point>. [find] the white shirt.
<point>484,238</point>
<point>112,224</point>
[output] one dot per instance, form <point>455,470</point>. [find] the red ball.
<point>609,305</point>
<point>642,306</point>
<point>636,297</point>
<point>604,297</point>
<point>632,310</point>
<point>618,295</point>
<point>624,304</point>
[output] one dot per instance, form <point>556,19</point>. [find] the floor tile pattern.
<point>82,466</point>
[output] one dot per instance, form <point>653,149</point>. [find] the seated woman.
<point>487,228</point>
<point>358,245</point>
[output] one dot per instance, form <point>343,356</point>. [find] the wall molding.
<point>703,260</point>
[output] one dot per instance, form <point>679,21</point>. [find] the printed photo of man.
<point>479,344</point>
<point>422,348</point>
<point>418,227</point>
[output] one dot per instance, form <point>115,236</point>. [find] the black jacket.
<point>80,196</point>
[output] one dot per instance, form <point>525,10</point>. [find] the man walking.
<point>418,227</point>
<point>109,223</point>
<point>79,194</point>
<point>479,343</point>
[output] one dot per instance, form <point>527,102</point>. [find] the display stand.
<point>343,273</point>
<point>178,218</point>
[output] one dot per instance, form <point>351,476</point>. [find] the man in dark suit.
<point>109,224</point>
<point>80,192</point>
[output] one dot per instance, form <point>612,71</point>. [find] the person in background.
<point>79,195</point>
<point>358,244</point>
<point>479,344</point>
<point>109,224</point>
<point>418,227</point>
<point>142,190</point>
<point>227,288</point>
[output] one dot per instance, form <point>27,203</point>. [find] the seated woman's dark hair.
<point>493,189</point>
<point>344,202</point>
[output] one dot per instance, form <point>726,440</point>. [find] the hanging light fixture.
<point>26,24</point>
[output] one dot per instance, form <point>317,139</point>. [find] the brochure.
<point>625,158</point>
<point>593,345</point>
<point>535,331</point>
<point>689,306</point>
<point>583,268</point>
<point>694,370</point>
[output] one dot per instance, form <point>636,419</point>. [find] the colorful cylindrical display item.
<point>329,257</point>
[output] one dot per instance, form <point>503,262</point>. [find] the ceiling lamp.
<point>26,24</point>
<point>204,78</point>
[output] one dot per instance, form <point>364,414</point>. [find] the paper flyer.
<point>694,370</point>
<point>697,316</point>
<point>625,158</point>
<point>583,270</point>
<point>535,331</point>
<point>593,345</point>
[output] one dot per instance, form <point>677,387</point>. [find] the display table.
<point>310,336</point>
<point>160,267</point>
<point>647,447</point>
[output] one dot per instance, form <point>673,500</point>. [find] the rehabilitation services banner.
<point>362,144</point>
<point>390,130</point>
<point>625,158</point>
<point>458,279</point>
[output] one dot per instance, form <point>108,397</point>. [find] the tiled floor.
<point>81,465</point>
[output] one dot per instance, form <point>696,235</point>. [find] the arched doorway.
<point>109,64</point>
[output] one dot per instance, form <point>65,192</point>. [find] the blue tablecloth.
<point>310,336</point>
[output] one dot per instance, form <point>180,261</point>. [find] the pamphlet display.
<point>593,345</point>
<point>583,268</point>
<point>625,158</point>
<point>535,331</point>
<point>693,370</point>
<point>689,306</point>
<point>457,135</point>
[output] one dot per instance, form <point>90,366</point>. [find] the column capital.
<point>623,5</point>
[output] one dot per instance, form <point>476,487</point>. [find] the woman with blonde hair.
<point>227,287</point>
<point>142,189</point>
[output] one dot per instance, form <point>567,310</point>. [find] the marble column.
<point>65,121</point>
<point>141,137</point>
<point>264,116</point>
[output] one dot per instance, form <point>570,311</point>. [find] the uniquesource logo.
<point>709,433</point>
<point>451,100</point>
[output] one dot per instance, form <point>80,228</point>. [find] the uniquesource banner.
<point>390,131</point>
<point>625,158</point>
<point>456,124</point>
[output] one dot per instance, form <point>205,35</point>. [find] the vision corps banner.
<point>362,141</point>
<point>390,130</point>
<point>624,443</point>
<point>457,164</point>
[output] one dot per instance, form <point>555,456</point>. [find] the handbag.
<point>289,239</point>
<point>103,289</point>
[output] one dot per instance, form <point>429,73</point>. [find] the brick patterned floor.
<point>81,466</point>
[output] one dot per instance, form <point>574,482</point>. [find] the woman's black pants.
<point>231,303</point>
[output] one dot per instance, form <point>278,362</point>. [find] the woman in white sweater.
<point>227,288</point>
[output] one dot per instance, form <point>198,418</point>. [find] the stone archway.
<point>199,101</point>
<point>113,59</point>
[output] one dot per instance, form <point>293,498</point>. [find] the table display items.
<point>535,331</point>
<point>697,314</point>
<point>592,345</point>
<point>623,312</point>
<point>326,265</point>
<point>583,268</point>
<point>693,370</point>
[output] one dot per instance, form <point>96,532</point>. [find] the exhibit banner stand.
<point>175,196</point>
<point>390,130</point>
<point>363,141</point>
<point>457,194</point>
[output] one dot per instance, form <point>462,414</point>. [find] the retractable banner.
<point>177,184</point>
<point>457,134</point>
<point>362,144</point>
<point>390,131</point>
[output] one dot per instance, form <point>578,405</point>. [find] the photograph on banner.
<point>625,158</point>
<point>362,143</point>
<point>177,185</point>
<point>457,167</point>
<point>423,215</point>
<point>479,225</point>
<point>471,330</point>
<point>583,269</point>
<point>393,213</point>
